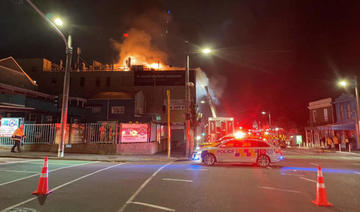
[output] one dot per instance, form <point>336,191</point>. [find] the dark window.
<point>108,81</point>
<point>53,81</point>
<point>82,81</point>
<point>97,82</point>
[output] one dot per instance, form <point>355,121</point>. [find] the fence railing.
<point>35,134</point>
<point>99,133</point>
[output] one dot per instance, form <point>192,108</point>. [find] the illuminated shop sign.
<point>131,133</point>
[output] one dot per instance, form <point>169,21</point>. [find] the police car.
<point>240,150</point>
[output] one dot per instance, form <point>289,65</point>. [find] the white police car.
<point>240,150</point>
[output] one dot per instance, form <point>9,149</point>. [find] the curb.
<point>91,159</point>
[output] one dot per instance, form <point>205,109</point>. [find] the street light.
<point>65,98</point>
<point>344,83</point>
<point>269,114</point>
<point>188,141</point>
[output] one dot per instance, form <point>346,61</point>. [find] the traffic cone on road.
<point>42,188</point>
<point>321,197</point>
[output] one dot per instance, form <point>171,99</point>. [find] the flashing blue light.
<point>281,157</point>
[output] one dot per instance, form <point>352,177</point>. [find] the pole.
<point>168,120</point>
<point>65,99</point>
<point>187,106</point>
<point>357,125</point>
<point>269,120</point>
<point>68,52</point>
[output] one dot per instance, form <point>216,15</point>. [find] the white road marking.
<point>279,189</point>
<point>130,200</point>
<point>197,169</point>
<point>153,206</point>
<point>20,161</point>
<point>23,178</point>
<point>60,186</point>
<point>7,170</point>
<point>308,179</point>
<point>297,175</point>
<point>315,164</point>
<point>180,180</point>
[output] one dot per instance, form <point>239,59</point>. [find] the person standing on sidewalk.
<point>336,141</point>
<point>329,142</point>
<point>17,136</point>
<point>347,142</point>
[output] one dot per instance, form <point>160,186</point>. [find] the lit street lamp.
<point>65,98</point>
<point>189,142</point>
<point>344,83</point>
<point>269,114</point>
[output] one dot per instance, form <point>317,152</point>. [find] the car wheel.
<point>263,161</point>
<point>209,159</point>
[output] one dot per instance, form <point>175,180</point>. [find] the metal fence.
<point>101,133</point>
<point>35,134</point>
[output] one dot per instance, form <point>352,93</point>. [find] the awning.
<point>343,126</point>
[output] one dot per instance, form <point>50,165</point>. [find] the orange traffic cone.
<point>321,197</point>
<point>42,188</point>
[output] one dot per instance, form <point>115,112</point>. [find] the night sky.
<point>270,55</point>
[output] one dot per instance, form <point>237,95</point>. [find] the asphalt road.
<point>183,185</point>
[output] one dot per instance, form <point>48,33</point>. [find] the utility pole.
<point>168,120</point>
<point>187,107</point>
<point>65,98</point>
<point>357,125</point>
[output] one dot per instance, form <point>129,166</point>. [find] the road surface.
<point>182,185</point>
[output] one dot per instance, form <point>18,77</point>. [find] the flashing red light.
<point>125,35</point>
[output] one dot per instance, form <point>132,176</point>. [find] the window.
<point>82,81</point>
<point>95,109</point>
<point>108,81</point>
<point>53,81</point>
<point>118,109</point>
<point>326,115</point>
<point>97,82</point>
<point>348,111</point>
<point>342,112</point>
<point>314,116</point>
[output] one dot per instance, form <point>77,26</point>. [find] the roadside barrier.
<point>42,188</point>
<point>321,197</point>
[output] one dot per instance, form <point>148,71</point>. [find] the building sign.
<point>131,133</point>
<point>156,78</point>
<point>118,109</point>
<point>176,104</point>
<point>8,126</point>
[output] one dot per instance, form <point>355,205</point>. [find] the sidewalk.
<point>325,150</point>
<point>160,157</point>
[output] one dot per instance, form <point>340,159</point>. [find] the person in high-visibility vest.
<point>17,136</point>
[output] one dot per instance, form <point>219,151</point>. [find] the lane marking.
<point>197,169</point>
<point>180,180</point>
<point>279,189</point>
<point>60,186</point>
<point>30,176</point>
<point>130,200</point>
<point>22,161</point>
<point>315,164</point>
<point>297,175</point>
<point>153,206</point>
<point>7,170</point>
<point>304,178</point>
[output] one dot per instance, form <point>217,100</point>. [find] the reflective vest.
<point>18,134</point>
<point>336,140</point>
<point>329,141</point>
